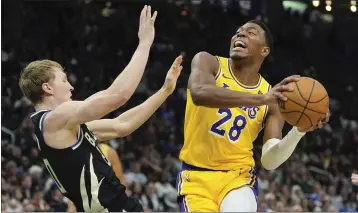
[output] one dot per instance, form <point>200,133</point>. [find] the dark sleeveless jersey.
<point>81,172</point>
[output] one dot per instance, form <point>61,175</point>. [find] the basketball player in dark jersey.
<point>68,131</point>
<point>113,158</point>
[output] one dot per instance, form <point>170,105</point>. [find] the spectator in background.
<point>355,179</point>
<point>39,203</point>
<point>13,206</point>
<point>166,192</point>
<point>150,199</point>
<point>136,176</point>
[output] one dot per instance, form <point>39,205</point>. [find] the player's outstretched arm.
<point>129,121</point>
<point>127,82</point>
<point>204,91</point>
<point>73,113</point>
<point>276,150</point>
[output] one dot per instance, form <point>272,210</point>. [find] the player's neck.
<point>46,104</point>
<point>245,71</point>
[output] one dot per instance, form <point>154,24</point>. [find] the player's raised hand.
<point>146,30</point>
<point>276,92</point>
<point>172,75</point>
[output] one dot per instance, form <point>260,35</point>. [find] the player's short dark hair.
<point>268,34</point>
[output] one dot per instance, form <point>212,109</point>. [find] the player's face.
<point>60,88</point>
<point>249,41</point>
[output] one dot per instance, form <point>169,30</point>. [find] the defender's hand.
<point>318,126</point>
<point>172,75</point>
<point>276,92</point>
<point>146,26</point>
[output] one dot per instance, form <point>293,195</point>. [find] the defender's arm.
<point>72,113</point>
<point>132,119</point>
<point>126,123</point>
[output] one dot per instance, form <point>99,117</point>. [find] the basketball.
<point>306,105</point>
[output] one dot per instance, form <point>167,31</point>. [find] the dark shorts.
<point>128,205</point>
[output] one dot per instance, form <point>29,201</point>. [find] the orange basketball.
<point>306,105</point>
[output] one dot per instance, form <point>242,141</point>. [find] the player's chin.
<point>68,99</point>
<point>237,56</point>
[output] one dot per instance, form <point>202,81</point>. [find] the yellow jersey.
<point>112,156</point>
<point>222,139</point>
<point>105,149</point>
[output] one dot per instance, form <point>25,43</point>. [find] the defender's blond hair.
<point>34,75</point>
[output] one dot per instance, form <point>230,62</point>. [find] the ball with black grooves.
<point>307,104</point>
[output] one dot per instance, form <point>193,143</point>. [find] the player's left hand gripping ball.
<point>172,75</point>
<point>318,126</point>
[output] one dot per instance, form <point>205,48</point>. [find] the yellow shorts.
<point>202,190</point>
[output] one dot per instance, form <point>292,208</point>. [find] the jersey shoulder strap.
<point>38,118</point>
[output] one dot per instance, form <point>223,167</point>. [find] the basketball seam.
<point>323,113</point>
<point>306,107</point>
<point>313,102</point>
<point>299,91</point>
<point>308,118</point>
<point>290,112</point>
<point>307,102</point>
<point>299,112</point>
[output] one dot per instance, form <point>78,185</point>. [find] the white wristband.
<point>276,151</point>
<point>297,132</point>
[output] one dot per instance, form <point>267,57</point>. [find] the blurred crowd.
<point>94,40</point>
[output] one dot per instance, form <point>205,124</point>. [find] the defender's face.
<point>60,87</point>
<point>249,41</point>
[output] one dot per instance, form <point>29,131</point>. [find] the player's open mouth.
<point>239,45</point>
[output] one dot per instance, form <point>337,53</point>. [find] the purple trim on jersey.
<point>189,167</point>
<point>179,182</point>
<point>78,138</point>
<point>181,205</point>
<point>42,120</point>
<point>255,189</point>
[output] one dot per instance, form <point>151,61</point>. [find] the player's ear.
<point>265,51</point>
<point>47,88</point>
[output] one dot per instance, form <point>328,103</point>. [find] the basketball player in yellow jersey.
<point>228,104</point>
<point>112,156</point>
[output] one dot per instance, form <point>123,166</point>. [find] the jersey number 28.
<point>238,124</point>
